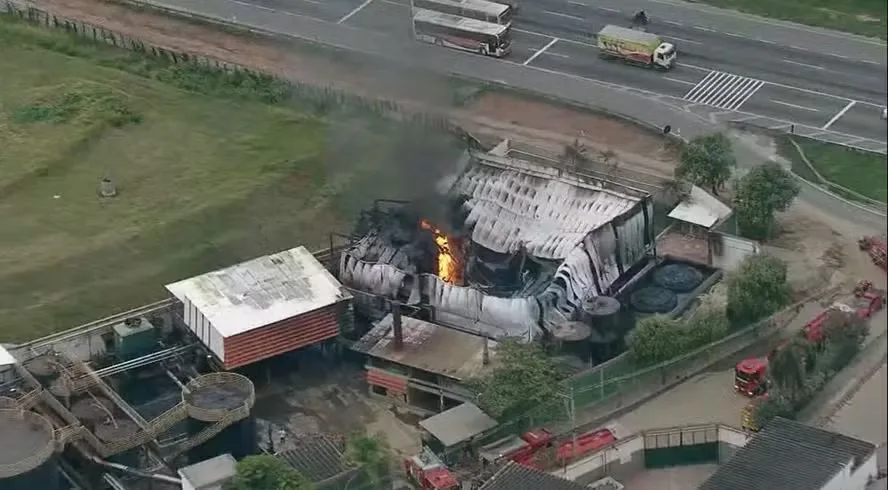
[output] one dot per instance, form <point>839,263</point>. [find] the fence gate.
<point>681,446</point>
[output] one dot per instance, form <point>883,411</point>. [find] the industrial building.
<point>790,455</point>
<point>422,364</point>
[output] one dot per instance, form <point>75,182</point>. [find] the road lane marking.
<point>579,4</point>
<point>541,51</point>
<point>839,115</point>
<point>557,55</point>
<point>606,9</point>
<point>566,16</point>
<point>355,11</point>
<point>806,65</point>
<point>704,29</point>
<point>683,40</point>
<point>723,90</point>
<point>678,80</point>
<point>794,106</point>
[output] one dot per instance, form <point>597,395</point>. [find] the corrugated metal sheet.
<point>278,338</point>
<point>391,382</point>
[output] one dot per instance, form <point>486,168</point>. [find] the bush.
<point>659,338</point>
<point>757,289</point>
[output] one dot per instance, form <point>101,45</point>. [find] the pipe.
<point>397,327</point>
<point>133,471</point>
<point>176,380</point>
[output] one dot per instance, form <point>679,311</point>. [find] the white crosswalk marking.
<point>723,90</point>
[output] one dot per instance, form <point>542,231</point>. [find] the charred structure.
<point>512,249</point>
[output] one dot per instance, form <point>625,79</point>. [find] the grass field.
<point>865,173</point>
<point>211,169</point>
<point>864,17</point>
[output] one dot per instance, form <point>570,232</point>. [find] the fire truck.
<point>429,473</point>
<point>750,375</point>
<point>586,443</point>
<point>520,449</point>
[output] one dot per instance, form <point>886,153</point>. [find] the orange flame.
<point>447,268</point>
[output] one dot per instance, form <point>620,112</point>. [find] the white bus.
<point>462,33</point>
<point>495,13</point>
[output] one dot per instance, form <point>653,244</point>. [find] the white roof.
<point>458,424</point>
<point>701,209</point>
<point>210,473</point>
<point>5,357</point>
<point>483,6</point>
<point>261,291</point>
<point>511,203</point>
<point>442,19</point>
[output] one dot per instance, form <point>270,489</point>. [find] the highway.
<point>819,90</point>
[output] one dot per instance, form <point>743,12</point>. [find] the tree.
<point>266,472</point>
<point>707,161</point>
<point>370,453</point>
<point>757,289</point>
<point>524,376</point>
<point>654,339</point>
<point>762,192</point>
<point>787,368</point>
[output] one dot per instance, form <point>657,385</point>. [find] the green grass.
<point>861,172</point>
<point>864,17</point>
<point>211,170</point>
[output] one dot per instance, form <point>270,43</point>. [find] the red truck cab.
<point>751,376</point>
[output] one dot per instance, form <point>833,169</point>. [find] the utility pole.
<point>412,23</point>
<point>571,408</point>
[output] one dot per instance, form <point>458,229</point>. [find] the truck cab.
<point>664,56</point>
<point>750,377</point>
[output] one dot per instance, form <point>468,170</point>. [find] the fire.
<point>447,267</point>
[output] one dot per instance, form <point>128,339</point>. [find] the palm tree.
<point>370,453</point>
<point>787,367</point>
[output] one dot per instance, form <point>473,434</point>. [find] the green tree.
<point>371,453</point>
<point>762,192</point>
<point>523,376</point>
<point>707,161</point>
<point>654,339</point>
<point>757,289</point>
<point>266,472</point>
<point>787,368</point>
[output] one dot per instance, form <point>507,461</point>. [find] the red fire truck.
<point>586,443</point>
<point>429,473</point>
<point>521,450</point>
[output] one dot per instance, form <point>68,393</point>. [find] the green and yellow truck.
<point>635,46</point>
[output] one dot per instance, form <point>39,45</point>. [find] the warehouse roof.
<point>513,476</point>
<point>5,357</point>
<point>790,456</point>
<point>458,424</point>
<point>511,204</point>
<point>261,291</point>
<point>429,347</point>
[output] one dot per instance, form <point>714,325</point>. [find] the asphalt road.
<point>721,70</point>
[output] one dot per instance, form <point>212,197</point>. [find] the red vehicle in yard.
<point>429,473</point>
<point>521,450</point>
<point>876,248</point>
<point>586,443</point>
<point>751,375</point>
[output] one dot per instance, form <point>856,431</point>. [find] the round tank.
<point>602,313</point>
<point>6,402</point>
<point>29,463</point>
<point>214,397</point>
<point>118,428</point>
<point>45,368</point>
<point>573,339</point>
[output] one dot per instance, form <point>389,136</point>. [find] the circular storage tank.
<point>212,397</point>
<point>602,313</point>
<point>29,463</point>
<point>573,338</point>
<point>6,402</point>
<point>653,299</point>
<point>678,278</point>
<point>119,429</point>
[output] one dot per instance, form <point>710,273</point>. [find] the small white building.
<point>264,307</point>
<point>211,474</point>
<point>789,455</point>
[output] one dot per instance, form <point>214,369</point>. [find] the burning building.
<point>514,250</point>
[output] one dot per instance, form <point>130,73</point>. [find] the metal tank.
<point>114,429</point>
<point>572,339</point>
<point>221,397</point>
<point>603,315</point>
<point>29,463</point>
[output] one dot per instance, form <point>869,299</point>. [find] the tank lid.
<point>602,306</point>
<point>571,331</point>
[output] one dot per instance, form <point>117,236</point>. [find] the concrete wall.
<point>728,251</point>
